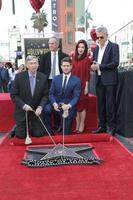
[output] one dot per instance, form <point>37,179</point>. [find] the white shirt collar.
<point>54,52</point>
<point>104,45</point>
<point>31,74</point>
<point>68,75</point>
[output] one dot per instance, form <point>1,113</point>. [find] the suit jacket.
<point>109,64</point>
<point>70,95</point>
<point>21,92</point>
<point>45,62</point>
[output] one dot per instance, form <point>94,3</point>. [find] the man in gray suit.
<point>29,94</point>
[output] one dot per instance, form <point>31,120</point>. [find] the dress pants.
<point>66,123</point>
<point>106,101</point>
<point>56,118</point>
<point>35,127</point>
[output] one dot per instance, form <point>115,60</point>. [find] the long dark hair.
<point>9,65</point>
<point>85,51</point>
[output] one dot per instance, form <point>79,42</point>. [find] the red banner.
<point>36,4</point>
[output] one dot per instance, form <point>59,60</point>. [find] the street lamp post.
<point>13,7</point>
<point>18,52</point>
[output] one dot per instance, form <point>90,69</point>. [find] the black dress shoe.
<point>112,132</point>
<point>51,133</point>
<point>11,134</point>
<point>99,130</point>
<point>59,129</point>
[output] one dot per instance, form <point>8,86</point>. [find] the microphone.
<point>65,114</point>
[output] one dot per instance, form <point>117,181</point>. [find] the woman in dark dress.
<point>81,68</point>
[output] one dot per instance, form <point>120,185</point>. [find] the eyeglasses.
<point>100,37</point>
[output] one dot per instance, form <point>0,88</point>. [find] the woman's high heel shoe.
<point>81,129</point>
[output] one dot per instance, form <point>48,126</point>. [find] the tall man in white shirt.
<point>50,62</point>
<point>50,65</point>
<point>105,63</point>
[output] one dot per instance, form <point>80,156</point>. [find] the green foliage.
<point>39,20</point>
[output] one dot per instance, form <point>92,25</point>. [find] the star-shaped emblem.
<point>59,150</point>
<point>44,156</point>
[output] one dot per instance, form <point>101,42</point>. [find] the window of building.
<point>69,19</point>
<point>69,3</point>
<point>70,37</point>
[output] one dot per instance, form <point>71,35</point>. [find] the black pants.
<point>66,124</point>
<point>57,120</point>
<point>106,103</point>
<point>3,88</point>
<point>35,127</point>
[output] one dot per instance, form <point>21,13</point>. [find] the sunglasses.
<point>100,37</point>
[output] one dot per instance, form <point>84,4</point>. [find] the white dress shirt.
<point>100,55</point>
<point>68,76</point>
<point>57,71</point>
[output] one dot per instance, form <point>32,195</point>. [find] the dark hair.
<point>66,59</point>
<point>85,52</point>
<point>10,66</point>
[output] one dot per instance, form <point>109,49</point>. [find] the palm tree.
<point>39,20</point>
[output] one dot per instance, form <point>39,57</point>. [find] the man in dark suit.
<point>63,96</point>
<point>50,65</point>
<point>105,63</point>
<point>4,78</point>
<point>29,94</point>
<point>46,60</point>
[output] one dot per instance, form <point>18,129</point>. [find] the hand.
<point>38,111</point>
<point>56,107</point>
<point>65,107</point>
<point>27,108</point>
<point>94,67</point>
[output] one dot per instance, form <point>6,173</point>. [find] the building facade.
<point>65,17</point>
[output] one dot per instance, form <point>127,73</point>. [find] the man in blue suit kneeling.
<point>63,96</point>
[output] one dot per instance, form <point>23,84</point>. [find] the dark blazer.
<point>45,62</point>
<point>69,96</point>
<point>109,64</point>
<point>21,92</point>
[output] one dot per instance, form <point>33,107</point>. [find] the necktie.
<point>54,65</point>
<point>64,84</point>
<point>32,84</point>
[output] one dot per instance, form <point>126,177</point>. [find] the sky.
<point>23,13</point>
<point>111,13</point>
